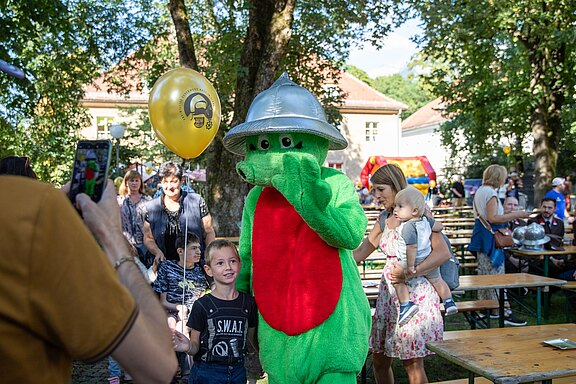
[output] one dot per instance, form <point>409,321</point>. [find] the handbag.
<point>502,236</point>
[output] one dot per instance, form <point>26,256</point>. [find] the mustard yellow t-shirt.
<point>60,298</point>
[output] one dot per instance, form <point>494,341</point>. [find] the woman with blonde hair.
<point>131,198</point>
<point>387,340</point>
<point>488,210</point>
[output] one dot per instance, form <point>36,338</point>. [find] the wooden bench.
<point>477,312</point>
<point>468,267</point>
<point>569,286</point>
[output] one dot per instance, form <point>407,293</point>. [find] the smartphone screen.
<point>90,171</point>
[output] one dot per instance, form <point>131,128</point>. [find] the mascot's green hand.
<point>301,184</point>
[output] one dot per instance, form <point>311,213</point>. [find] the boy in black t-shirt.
<point>221,322</point>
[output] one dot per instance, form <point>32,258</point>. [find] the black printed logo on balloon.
<point>198,108</point>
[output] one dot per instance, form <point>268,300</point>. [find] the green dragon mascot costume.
<point>299,227</point>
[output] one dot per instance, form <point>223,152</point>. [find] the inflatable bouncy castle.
<point>418,170</point>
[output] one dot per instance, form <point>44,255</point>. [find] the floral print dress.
<point>427,325</point>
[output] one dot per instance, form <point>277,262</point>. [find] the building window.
<point>337,166</point>
<point>103,124</point>
<point>371,130</point>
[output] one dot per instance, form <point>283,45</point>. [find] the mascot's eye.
<point>264,144</point>
<point>286,141</point>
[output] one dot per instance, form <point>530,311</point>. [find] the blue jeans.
<point>207,373</point>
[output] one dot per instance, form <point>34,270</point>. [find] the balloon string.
<point>185,250</point>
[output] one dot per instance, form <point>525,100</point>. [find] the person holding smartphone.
<point>68,294</point>
<point>172,213</point>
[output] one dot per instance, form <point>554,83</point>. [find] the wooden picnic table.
<point>544,254</point>
<point>510,355</point>
<point>509,280</point>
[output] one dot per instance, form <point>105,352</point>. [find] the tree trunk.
<point>266,42</point>
<point>545,153</point>
<point>546,121</point>
<point>186,50</point>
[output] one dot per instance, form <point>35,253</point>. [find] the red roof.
<point>431,114</point>
<point>98,91</point>
<point>361,96</point>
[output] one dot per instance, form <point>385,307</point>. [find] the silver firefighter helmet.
<point>285,107</point>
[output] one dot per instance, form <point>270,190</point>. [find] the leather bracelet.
<point>122,260</point>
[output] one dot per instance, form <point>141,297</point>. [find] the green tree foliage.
<point>242,47</point>
<point>409,90</point>
<point>359,74</point>
<point>506,68</point>
<point>61,46</point>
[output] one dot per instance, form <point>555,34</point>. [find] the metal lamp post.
<point>117,132</point>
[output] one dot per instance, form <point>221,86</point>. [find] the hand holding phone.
<point>90,169</point>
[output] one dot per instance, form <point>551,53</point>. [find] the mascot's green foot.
<point>337,378</point>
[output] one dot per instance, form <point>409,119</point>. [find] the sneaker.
<point>114,380</point>
<point>514,321</point>
<point>406,313</point>
<point>494,316</point>
<point>450,308</point>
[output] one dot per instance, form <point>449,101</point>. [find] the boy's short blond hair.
<point>216,245</point>
<point>411,197</point>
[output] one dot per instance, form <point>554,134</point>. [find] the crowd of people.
<point>168,242</point>
<point>156,242</point>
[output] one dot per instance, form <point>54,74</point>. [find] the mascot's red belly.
<point>297,277</point>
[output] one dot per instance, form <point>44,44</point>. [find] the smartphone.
<point>90,170</point>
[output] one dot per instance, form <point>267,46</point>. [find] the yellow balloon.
<point>185,112</point>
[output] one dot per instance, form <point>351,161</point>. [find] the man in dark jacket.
<point>552,224</point>
<point>554,227</point>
